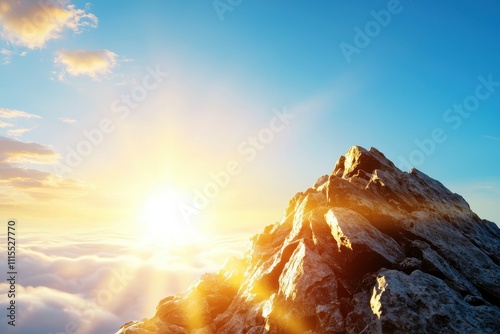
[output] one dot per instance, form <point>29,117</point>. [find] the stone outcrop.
<point>367,249</point>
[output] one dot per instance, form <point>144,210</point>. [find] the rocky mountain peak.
<point>367,249</point>
<point>358,160</point>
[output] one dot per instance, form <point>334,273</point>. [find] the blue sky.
<point>229,69</point>
<point>271,70</point>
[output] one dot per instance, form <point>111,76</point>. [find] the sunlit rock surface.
<point>367,249</point>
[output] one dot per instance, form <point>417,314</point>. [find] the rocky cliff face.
<point>367,249</point>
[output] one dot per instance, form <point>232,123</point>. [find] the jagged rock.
<point>358,237</point>
<point>427,304</point>
<point>368,249</point>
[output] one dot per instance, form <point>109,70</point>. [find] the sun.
<point>161,220</point>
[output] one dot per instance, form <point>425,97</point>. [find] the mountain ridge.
<point>367,249</point>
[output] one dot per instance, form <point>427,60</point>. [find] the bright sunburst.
<point>162,222</point>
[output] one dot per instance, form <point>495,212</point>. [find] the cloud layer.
<point>15,151</point>
<point>97,282</point>
<point>32,24</point>
<point>23,183</point>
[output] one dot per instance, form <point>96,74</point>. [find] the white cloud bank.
<point>93,284</point>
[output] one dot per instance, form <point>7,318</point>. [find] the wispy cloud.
<point>18,132</point>
<point>32,24</point>
<point>67,120</point>
<point>483,187</point>
<point>5,125</point>
<point>492,138</point>
<point>92,63</point>
<point>15,130</point>
<point>12,150</point>
<point>7,55</point>
<point>13,113</point>
<point>17,178</point>
<point>28,188</point>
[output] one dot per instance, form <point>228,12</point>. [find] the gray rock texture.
<point>367,249</point>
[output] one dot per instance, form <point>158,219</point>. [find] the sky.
<point>169,122</point>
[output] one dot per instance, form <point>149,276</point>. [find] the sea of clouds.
<point>95,282</point>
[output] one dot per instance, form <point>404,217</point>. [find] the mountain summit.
<point>368,249</point>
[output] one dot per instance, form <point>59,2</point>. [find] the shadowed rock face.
<point>367,249</point>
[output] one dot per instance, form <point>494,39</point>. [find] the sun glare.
<point>162,222</point>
